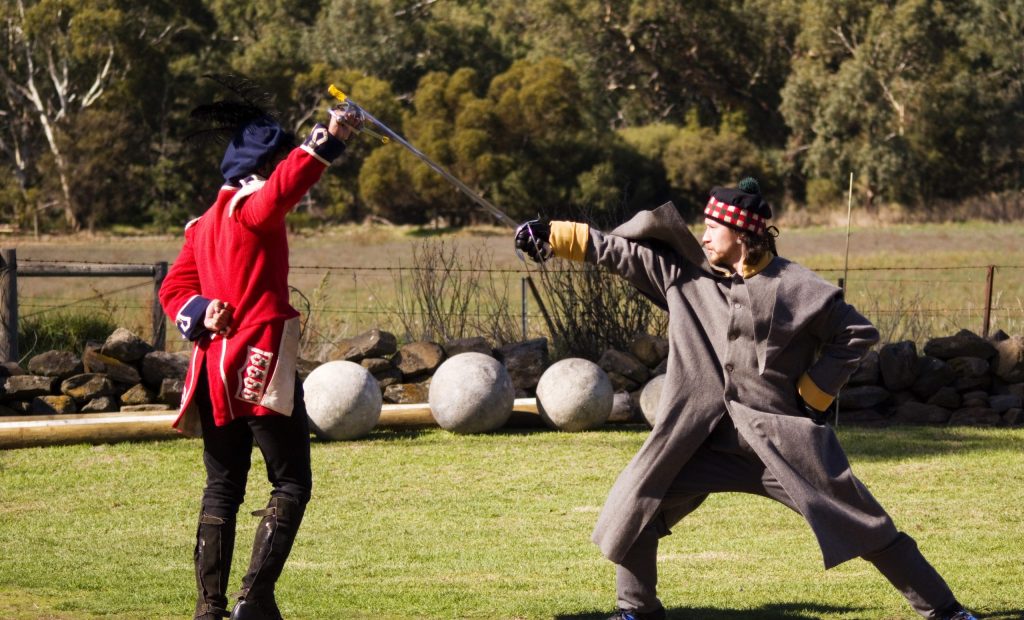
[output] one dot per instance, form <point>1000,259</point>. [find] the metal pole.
<point>522,291</point>
<point>8,305</point>
<point>849,216</point>
<point>540,304</point>
<point>990,276</point>
<point>159,321</point>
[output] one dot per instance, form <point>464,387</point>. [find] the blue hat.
<point>252,146</point>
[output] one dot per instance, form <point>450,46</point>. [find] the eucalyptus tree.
<point>66,60</point>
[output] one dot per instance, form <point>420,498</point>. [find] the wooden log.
<point>97,428</point>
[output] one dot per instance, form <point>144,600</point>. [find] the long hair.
<point>759,245</point>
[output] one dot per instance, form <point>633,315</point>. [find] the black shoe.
<point>622,614</point>
<point>252,609</point>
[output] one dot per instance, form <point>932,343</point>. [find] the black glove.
<point>818,417</point>
<point>532,238</point>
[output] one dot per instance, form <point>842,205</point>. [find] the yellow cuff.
<point>812,394</point>
<point>569,239</point>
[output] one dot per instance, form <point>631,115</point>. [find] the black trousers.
<point>227,454</point>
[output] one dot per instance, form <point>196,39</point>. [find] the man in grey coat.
<point>758,348</point>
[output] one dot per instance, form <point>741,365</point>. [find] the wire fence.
<point>905,303</point>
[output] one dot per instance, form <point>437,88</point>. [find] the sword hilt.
<point>343,98</point>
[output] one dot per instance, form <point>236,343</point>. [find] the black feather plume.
<point>219,121</point>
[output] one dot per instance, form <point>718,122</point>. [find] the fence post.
<point>990,276</point>
<point>159,321</point>
<point>522,292</point>
<point>8,305</point>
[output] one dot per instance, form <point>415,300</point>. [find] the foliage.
<point>62,331</point>
<point>449,295</point>
<point>542,106</point>
<point>593,310</point>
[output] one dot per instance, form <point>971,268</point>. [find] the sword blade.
<point>500,215</point>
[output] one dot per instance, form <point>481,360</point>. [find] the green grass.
<point>434,525</point>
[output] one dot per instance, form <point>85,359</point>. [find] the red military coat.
<point>238,252</point>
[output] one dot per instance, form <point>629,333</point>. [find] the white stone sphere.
<point>650,397</point>
<point>471,393</point>
<point>343,400</point>
<point>575,394</point>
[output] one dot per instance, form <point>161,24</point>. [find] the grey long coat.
<point>738,347</point>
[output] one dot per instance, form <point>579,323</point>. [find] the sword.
<point>389,135</point>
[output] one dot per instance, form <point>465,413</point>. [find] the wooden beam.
<point>96,428</point>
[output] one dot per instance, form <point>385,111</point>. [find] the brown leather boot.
<point>215,543</point>
<point>274,537</point>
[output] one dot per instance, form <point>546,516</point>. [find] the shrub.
<point>62,331</point>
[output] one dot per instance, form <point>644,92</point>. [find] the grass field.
<point>344,272</point>
<point>433,525</point>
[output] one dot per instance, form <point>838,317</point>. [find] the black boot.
<point>215,542</point>
<point>274,538</point>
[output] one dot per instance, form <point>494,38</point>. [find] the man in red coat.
<point>228,294</point>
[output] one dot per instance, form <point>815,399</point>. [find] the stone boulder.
<point>388,377</point>
<point>964,344</point>
<point>115,369</point>
<point>898,363</point>
<point>862,397</point>
<point>59,364</point>
<point>862,417</point>
<point>525,361</point>
<point>920,413</point>
<point>125,346</point>
<point>477,344</point>
<point>624,365</point>
<point>160,365</point>
<point>11,369</point>
<point>972,373</point>
<point>974,416</point>
<point>624,408</point>
<point>867,372</point>
<point>650,350</point>
<point>27,387</point>
<point>946,397</point>
<point>407,393</point>
<point>1008,364</point>
<point>932,374</point>
<point>170,392</point>
<point>574,394</point>
<point>139,394</point>
<point>1002,403</point>
<point>87,386</point>
<point>371,343</point>
<point>53,404</point>
<point>418,359</point>
<point>375,365</point>
<point>103,404</point>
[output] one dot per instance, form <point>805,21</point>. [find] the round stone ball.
<point>471,393</point>
<point>343,400</point>
<point>650,397</point>
<point>575,394</point>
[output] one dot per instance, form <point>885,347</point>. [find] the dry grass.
<point>349,275</point>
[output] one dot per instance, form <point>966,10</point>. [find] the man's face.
<point>721,244</point>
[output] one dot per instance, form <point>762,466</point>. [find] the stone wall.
<point>960,379</point>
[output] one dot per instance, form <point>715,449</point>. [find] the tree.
<point>63,58</point>
<point>863,93</point>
